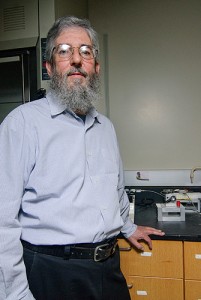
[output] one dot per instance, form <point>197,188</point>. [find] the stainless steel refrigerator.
<point>18,78</point>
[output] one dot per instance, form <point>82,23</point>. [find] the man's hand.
<point>142,233</point>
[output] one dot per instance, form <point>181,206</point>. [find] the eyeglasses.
<point>65,51</point>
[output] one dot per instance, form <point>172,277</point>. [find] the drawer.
<point>165,260</point>
<point>147,288</point>
<point>192,290</point>
<point>192,260</point>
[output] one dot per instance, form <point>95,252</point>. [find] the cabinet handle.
<point>198,256</point>
<point>125,248</point>
<point>130,286</point>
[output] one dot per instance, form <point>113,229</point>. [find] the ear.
<point>49,68</point>
<point>97,67</point>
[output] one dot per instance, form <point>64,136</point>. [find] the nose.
<point>76,58</point>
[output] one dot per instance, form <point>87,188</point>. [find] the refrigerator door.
<point>17,80</point>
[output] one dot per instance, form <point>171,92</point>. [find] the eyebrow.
<point>74,46</point>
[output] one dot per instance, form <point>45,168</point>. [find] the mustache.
<point>76,70</point>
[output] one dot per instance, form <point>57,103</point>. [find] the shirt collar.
<point>94,114</point>
<point>56,107</point>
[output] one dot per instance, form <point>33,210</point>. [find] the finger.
<point>138,245</point>
<point>159,232</point>
<point>149,241</point>
<point>150,230</point>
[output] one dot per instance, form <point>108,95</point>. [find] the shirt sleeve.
<point>128,228</point>
<point>15,154</point>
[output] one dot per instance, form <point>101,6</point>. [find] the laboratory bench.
<point>188,230</point>
<point>172,269</point>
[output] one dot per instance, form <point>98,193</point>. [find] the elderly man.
<point>62,194</point>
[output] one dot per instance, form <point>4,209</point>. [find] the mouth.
<point>77,74</point>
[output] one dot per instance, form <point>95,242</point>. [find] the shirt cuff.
<point>129,228</point>
<point>28,296</point>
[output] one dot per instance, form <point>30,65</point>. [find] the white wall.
<point>154,79</point>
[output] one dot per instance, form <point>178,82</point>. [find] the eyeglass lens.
<point>65,51</point>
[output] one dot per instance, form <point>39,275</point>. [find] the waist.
<point>96,251</point>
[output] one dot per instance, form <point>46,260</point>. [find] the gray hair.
<point>65,23</point>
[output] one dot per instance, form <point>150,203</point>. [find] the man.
<point>62,194</point>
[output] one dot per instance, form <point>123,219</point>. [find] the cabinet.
<point>156,274</point>
<point>192,264</point>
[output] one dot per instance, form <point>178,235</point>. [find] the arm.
<point>131,231</point>
<point>13,161</point>
<point>136,233</point>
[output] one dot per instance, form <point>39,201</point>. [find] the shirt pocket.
<point>110,161</point>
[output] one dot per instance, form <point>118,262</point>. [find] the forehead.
<point>74,36</point>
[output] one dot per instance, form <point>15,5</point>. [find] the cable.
<point>190,201</point>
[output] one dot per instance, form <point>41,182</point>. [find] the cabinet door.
<point>155,288</point>
<point>192,290</point>
<point>192,260</point>
<point>125,249</point>
<point>165,260</point>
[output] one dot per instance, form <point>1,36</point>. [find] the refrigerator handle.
<point>25,77</point>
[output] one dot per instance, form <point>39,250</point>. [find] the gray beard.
<point>76,97</point>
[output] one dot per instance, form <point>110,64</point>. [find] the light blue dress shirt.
<point>61,182</point>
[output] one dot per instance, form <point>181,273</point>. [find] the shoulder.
<point>105,121</point>
<point>35,106</point>
<point>26,115</point>
<point>28,110</point>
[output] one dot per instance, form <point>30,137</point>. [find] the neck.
<point>78,112</point>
